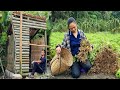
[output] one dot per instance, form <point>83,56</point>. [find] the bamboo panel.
<point>22,52</point>
<point>18,27</point>
<point>32,26</point>
<point>23,58</point>
<point>24,29</point>
<point>23,47</point>
<point>26,20</point>
<point>22,41</point>
<point>25,71</point>
<point>26,37</point>
<point>24,44</point>
<point>24,34</point>
<point>18,31</point>
<point>22,68</point>
<point>23,65</point>
<point>22,62</point>
<point>35,18</point>
<point>32,22</point>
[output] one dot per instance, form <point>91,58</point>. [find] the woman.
<point>39,66</point>
<point>72,41</point>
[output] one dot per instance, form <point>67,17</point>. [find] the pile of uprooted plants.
<point>106,61</point>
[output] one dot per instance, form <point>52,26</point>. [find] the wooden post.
<point>21,42</point>
<point>46,48</point>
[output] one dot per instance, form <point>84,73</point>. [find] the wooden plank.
<point>24,38</point>
<point>24,55</point>
<point>27,49</point>
<point>31,18</point>
<point>24,34</point>
<point>26,20</point>
<point>23,31</point>
<point>18,32</point>
<point>39,45</point>
<point>32,26</point>
<point>22,50</point>
<point>23,65</point>
<point>23,46</point>
<point>23,58</point>
<point>32,22</point>
<point>18,28</point>
<point>29,23</point>
<point>24,28</point>
<point>22,41</point>
<point>22,62</point>
<point>17,36</point>
<point>22,68</point>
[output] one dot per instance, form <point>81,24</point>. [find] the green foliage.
<point>55,39</point>
<point>3,38</point>
<point>88,21</point>
<point>4,24</point>
<point>60,25</point>
<point>98,40</point>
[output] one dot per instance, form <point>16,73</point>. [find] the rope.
<point>60,63</point>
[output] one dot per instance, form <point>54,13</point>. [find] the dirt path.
<point>83,76</point>
<point>48,75</point>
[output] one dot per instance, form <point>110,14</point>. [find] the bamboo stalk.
<point>21,42</point>
<point>39,45</point>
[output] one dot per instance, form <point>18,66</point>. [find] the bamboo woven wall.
<point>36,50</point>
<point>10,55</point>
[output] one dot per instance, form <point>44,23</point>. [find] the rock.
<point>16,76</point>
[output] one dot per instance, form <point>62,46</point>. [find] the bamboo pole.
<point>21,42</point>
<point>39,45</point>
<point>46,50</point>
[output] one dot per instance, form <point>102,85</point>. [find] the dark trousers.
<point>77,66</point>
<point>36,68</point>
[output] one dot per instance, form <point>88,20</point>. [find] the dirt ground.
<point>82,76</point>
<point>48,75</point>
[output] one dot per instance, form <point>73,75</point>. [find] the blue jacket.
<point>66,40</point>
<point>43,63</point>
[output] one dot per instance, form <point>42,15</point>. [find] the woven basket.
<point>62,62</point>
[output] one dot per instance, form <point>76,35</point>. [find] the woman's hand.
<point>58,50</point>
